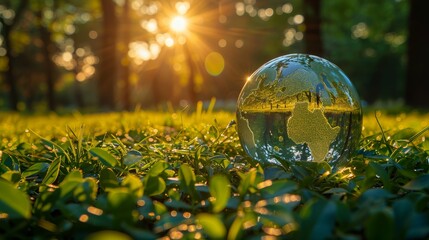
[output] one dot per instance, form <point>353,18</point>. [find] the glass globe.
<point>299,107</point>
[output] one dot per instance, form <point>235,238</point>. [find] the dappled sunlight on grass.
<point>394,122</point>
<point>184,174</point>
<point>55,125</point>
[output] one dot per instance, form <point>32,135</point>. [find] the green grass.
<point>148,175</point>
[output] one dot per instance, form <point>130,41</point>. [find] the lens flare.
<point>214,63</point>
<point>179,24</point>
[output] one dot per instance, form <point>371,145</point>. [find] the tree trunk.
<point>125,64</point>
<point>108,67</point>
<point>313,35</point>
<point>6,29</point>
<point>10,78</point>
<point>49,67</point>
<point>417,84</point>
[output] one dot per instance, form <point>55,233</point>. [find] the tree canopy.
<point>122,54</point>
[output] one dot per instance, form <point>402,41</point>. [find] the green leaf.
<point>51,145</point>
<point>221,160</point>
<point>121,203</point>
<point>134,185</point>
<point>159,208</point>
<point>10,162</point>
<point>120,198</point>
<point>35,169</point>
<point>86,192</point>
<point>108,179</point>
<point>419,183</point>
<point>74,175</point>
<point>249,181</point>
<point>74,210</point>
<point>220,190</point>
<point>300,172</point>
<point>212,225</point>
<point>105,158</point>
<point>69,184</point>
<point>132,157</point>
<point>12,176</point>
<point>3,168</point>
<point>187,180</point>
<point>382,173</point>
<point>200,151</point>
<point>213,131</point>
<point>380,225</point>
<point>158,168</point>
<point>236,229</point>
<point>318,220</point>
<point>45,202</point>
<point>14,202</point>
<point>403,211</point>
<point>53,171</point>
<point>153,185</point>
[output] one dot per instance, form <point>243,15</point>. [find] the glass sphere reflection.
<point>299,107</point>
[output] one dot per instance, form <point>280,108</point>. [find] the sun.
<point>179,24</point>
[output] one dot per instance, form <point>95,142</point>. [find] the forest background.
<point>127,54</point>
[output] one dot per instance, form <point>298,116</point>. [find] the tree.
<point>47,51</point>
<point>417,85</point>
<point>366,39</point>
<point>7,26</point>
<point>313,36</point>
<point>125,63</point>
<point>108,66</point>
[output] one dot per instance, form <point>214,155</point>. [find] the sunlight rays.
<point>179,24</point>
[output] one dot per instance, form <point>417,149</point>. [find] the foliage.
<point>149,175</point>
<point>367,39</point>
<point>375,41</point>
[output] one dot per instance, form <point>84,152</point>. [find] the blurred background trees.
<point>120,54</point>
<point>417,84</point>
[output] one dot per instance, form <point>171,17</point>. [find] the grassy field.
<point>148,175</point>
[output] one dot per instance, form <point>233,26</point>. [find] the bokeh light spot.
<point>93,34</point>
<point>169,42</point>
<point>214,63</point>
<point>298,19</point>
<point>239,43</point>
<point>222,43</point>
<point>223,19</point>
<point>182,7</point>
<point>287,8</point>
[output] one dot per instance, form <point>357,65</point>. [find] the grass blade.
<point>383,135</point>
<point>105,158</point>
